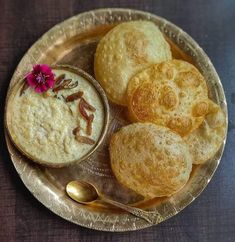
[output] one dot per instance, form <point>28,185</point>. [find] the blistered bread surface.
<point>173,94</point>
<point>150,159</point>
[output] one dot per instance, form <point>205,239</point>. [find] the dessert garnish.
<point>59,79</point>
<point>74,96</point>
<point>87,106</point>
<point>83,106</point>
<point>65,84</point>
<point>76,130</point>
<point>41,78</point>
<point>85,140</point>
<point>24,87</point>
<point>82,109</point>
<point>89,124</point>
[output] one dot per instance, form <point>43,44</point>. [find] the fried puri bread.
<point>173,94</point>
<point>127,49</point>
<point>150,159</point>
<point>205,141</point>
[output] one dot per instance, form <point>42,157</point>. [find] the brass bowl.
<point>103,98</point>
<point>74,42</point>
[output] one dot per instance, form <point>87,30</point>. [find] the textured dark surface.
<point>211,217</point>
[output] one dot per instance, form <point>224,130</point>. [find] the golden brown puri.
<point>205,141</point>
<point>173,94</point>
<point>127,49</point>
<point>150,159</point>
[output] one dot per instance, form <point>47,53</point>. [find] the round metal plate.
<point>74,42</point>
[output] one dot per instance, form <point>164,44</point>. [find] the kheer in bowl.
<point>62,125</point>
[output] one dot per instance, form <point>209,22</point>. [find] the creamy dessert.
<point>60,125</point>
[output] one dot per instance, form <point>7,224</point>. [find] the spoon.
<point>85,193</point>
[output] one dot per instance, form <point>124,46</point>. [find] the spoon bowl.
<point>82,192</point>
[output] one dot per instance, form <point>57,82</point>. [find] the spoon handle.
<point>152,217</point>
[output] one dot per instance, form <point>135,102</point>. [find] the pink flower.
<point>41,78</point>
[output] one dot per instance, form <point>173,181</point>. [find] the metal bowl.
<point>13,91</point>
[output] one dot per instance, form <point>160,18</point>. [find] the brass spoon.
<point>85,193</point>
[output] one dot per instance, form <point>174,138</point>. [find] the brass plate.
<point>74,42</point>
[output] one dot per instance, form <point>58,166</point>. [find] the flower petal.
<point>50,83</point>
<point>41,88</point>
<point>38,89</point>
<point>41,78</point>
<point>44,87</point>
<point>31,80</point>
<point>36,69</point>
<point>45,69</point>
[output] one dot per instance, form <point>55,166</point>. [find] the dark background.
<point>211,217</point>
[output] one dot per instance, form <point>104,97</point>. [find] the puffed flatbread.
<point>173,94</point>
<point>205,141</point>
<point>150,159</point>
<point>127,49</point>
